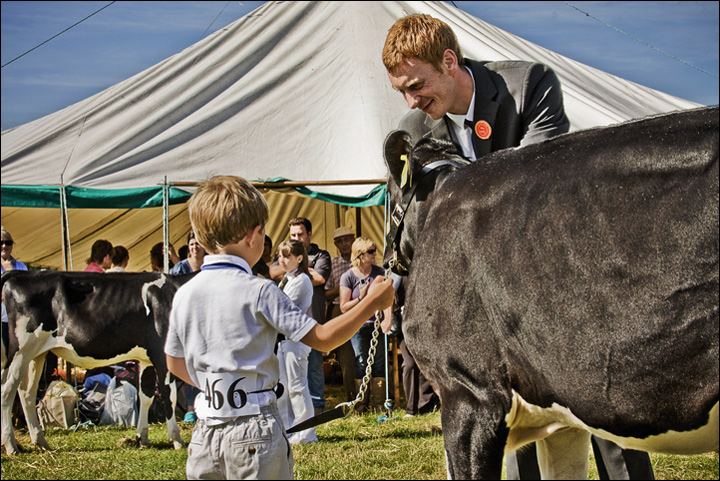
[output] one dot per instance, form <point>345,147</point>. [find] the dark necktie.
<point>282,283</point>
<point>475,139</point>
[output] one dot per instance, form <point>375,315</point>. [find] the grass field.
<point>357,447</point>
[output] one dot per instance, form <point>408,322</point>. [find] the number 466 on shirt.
<point>226,395</point>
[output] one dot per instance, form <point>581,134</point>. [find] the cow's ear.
<point>397,152</point>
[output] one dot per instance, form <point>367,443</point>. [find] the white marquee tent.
<point>292,91</point>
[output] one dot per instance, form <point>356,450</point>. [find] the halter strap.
<point>397,215</point>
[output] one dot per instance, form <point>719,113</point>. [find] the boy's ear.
<point>254,234</point>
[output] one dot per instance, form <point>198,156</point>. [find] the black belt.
<point>279,389</point>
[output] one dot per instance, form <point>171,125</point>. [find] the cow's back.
<point>585,274</point>
<point>81,308</point>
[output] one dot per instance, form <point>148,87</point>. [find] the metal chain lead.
<point>368,369</point>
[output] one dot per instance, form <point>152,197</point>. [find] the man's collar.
<point>459,119</point>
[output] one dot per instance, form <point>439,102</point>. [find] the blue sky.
<point>127,37</point>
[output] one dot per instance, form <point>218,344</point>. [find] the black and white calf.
<point>565,288</point>
<point>90,320</point>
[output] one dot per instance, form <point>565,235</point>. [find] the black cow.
<point>91,320</point>
<point>565,288</point>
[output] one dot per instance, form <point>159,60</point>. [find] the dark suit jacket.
<point>521,101</point>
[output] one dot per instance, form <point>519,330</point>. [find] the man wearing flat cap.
<point>343,238</point>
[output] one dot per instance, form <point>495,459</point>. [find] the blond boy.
<point>223,327</point>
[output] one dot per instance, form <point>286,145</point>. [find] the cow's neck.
<point>418,212</point>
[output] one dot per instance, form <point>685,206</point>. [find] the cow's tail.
<point>6,276</point>
<point>3,355</point>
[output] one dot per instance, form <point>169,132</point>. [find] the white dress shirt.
<point>461,133</point>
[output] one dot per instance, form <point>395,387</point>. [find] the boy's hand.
<point>381,293</point>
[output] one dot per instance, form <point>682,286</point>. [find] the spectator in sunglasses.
<point>9,263</point>
<point>354,285</point>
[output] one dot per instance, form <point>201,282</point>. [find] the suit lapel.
<point>485,109</point>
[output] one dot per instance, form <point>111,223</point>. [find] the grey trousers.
<point>251,447</point>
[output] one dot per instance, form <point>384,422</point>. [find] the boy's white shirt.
<point>225,320</point>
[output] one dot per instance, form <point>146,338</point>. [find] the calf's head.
<point>413,174</point>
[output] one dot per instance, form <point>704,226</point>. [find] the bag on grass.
<point>120,404</point>
<point>93,403</point>
<point>57,407</point>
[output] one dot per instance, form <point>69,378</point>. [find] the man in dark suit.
<point>483,107</point>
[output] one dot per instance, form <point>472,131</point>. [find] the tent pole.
<point>166,225</point>
<point>67,259</point>
<point>358,222</point>
<point>62,223</point>
<point>65,228</point>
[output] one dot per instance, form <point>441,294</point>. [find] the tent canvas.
<point>293,90</point>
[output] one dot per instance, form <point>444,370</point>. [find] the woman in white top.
<point>295,404</point>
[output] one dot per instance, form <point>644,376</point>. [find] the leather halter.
<point>402,267</point>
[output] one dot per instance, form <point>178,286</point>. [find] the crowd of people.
<point>335,286</point>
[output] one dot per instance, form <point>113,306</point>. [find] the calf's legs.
<point>23,376</point>
<point>28,399</point>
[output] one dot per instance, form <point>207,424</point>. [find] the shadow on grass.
<point>368,427</point>
<point>393,435</point>
<point>97,439</point>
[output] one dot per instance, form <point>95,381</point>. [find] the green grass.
<point>357,447</point>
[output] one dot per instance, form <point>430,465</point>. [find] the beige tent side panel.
<point>38,234</point>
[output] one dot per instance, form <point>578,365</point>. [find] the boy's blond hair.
<point>224,209</point>
<point>419,36</point>
<point>359,247</point>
